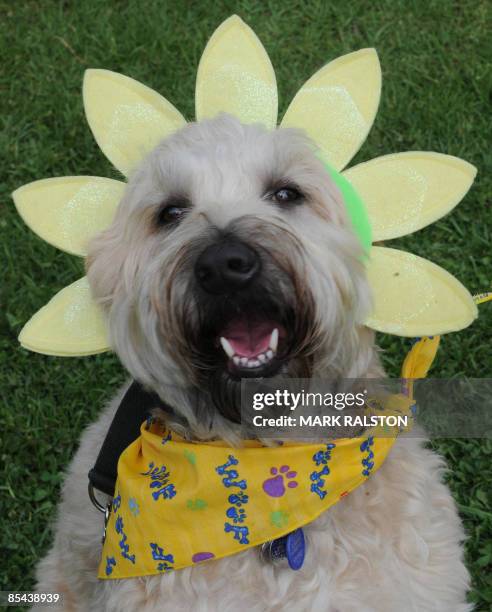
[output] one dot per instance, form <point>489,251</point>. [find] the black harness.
<point>134,408</point>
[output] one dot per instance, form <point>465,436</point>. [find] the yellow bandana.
<point>178,503</point>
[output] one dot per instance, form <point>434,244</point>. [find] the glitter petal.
<point>337,105</point>
<point>415,297</point>
<point>68,211</point>
<point>236,76</point>
<point>405,192</point>
<point>127,118</point>
<point>70,325</point>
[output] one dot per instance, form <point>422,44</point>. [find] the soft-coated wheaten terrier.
<point>231,231</point>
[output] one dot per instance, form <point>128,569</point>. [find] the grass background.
<point>436,59</point>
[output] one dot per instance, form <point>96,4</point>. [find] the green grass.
<point>437,83</point>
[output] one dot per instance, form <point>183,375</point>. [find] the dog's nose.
<point>226,266</point>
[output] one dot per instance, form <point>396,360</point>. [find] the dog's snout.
<point>226,266</point>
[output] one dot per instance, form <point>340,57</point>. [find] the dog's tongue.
<point>249,338</point>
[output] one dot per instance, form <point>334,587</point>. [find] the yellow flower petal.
<point>127,118</point>
<point>414,297</point>
<point>337,105</point>
<point>407,191</point>
<point>236,76</point>
<point>68,211</point>
<point>70,325</point>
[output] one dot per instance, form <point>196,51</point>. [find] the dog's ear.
<point>104,263</point>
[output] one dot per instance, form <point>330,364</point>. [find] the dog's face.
<point>231,256</point>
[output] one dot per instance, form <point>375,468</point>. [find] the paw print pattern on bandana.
<point>367,462</point>
<point>196,504</point>
<point>166,438</point>
<point>116,503</point>
<point>123,543</point>
<point>236,514</point>
<point>167,560</point>
<point>279,518</point>
<point>191,456</point>
<point>202,556</point>
<point>160,480</point>
<point>134,507</point>
<point>275,486</point>
<point>110,563</point>
<point>238,499</point>
<point>321,458</point>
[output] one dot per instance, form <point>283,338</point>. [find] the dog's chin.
<point>248,345</point>
<point>224,386</point>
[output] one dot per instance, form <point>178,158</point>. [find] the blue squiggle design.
<point>125,548</point>
<point>321,457</point>
<point>235,512</point>
<point>367,461</point>
<point>116,502</point>
<point>160,480</point>
<point>167,561</point>
<point>110,564</point>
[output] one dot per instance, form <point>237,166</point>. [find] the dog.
<point>229,235</point>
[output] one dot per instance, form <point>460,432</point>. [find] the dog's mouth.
<point>254,347</point>
<point>248,336</point>
<point>241,341</point>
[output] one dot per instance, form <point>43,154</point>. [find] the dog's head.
<point>231,256</point>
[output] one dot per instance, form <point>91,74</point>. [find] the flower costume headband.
<point>401,193</point>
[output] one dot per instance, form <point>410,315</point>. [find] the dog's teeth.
<point>256,363</point>
<point>251,363</point>
<point>235,360</point>
<point>244,361</point>
<point>262,358</point>
<point>226,345</point>
<point>269,354</point>
<point>274,340</point>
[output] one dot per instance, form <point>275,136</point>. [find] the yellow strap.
<point>481,298</point>
<point>420,357</point>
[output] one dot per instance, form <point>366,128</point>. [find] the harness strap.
<point>134,408</point>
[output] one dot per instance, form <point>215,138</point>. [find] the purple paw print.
<point>275,486</point>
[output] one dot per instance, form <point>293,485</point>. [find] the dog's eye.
<point>285,195</point>
<point>172,213</point>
